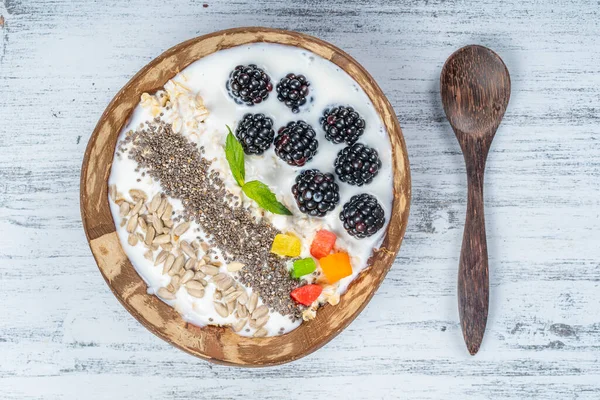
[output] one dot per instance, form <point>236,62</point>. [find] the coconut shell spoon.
<point>475,89</point>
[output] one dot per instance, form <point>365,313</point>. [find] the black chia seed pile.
<point>184,173</point>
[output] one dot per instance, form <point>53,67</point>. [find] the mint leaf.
<point>235,157</point>
<point>261,193</point>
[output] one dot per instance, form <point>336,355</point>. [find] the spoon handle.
<point>473,276</point>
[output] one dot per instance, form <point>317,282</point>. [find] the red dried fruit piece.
<point>306,294</point>
<point>322,244</point>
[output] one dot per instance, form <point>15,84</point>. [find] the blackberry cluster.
<point>249,85</point>
<point>316,193</point>
<point>292,91</point>
<point>255,133</point>
<point>342,124</point>
<point>295,143</point>
<point>357,164</point>
<point>362,216</point>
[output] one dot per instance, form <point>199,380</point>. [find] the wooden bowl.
<point>211,343</point>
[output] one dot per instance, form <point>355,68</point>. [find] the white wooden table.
<point>63,335</point>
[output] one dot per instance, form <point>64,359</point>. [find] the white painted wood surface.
<point>64,336</point>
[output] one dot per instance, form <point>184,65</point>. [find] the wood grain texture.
<point>62,332</point>
<point>220,344</point>
<point>475,89</point>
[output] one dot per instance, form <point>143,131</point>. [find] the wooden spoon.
<point>475,88</point>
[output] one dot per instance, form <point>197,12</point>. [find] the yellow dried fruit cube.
<point>286,245</point>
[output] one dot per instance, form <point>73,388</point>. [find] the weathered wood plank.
<point>63,333</point>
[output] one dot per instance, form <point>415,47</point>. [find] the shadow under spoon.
<point>475,89</point>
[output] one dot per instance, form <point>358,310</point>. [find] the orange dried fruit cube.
<point>286,245</point>
<point>336,266</point>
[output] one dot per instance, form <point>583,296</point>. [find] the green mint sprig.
<point>256,190</point>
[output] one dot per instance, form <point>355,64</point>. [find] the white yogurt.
<point>330,86</point>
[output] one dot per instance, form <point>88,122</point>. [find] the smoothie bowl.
<point>245,194</point>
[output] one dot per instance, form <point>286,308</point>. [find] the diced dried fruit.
<point>322,244</point>
<point>306,294</point>
<point>286,245</point>
<point>303,267</point>
<point>336,266</point>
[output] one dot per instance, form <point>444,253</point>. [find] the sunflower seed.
<point>153,247</point>
<point>150,234</point>
<point>177,265</point>
<point>221,309</point>
<point>195,245</point>
<point>260,312</point>
<point>162,256</point>
<point>231,306</point>
<point>138,194</point>
<point>143,224</point>
<point>251,305</point>
<point>235,266</point>
<point>181,228</point>
<point>168,263</point>
<point>194,285</point>
<point>262,332</point>
<point>232,296</point>
<point>157,223</point>
<point>123,222</point>
<point>161,207</point>
<point>132,223</point>
<point>165,294</point>
<point>187,249</point>
<point>259,323</point>
<point>124,209</point>
<point>162,239</point>
<point>216,263</point>
<point>190,264</point>
<point>132,239</point>
<point>199,275</point>
<point>112,192</point>
<point>243,299</point>
<point>238,325</point>
<point>167,246</point>
<point>176,282</point>
<point>209,270</point>
<point>217,295</point>
<point>230,290</point>
<point>149,255</point>
<point>187,276</point>
<point>204,246</point>
<point>196,293</point>
<point>168,223</point>
<point>201,262</point>
<point>136,209</point>
<point>143,209</point>
<point>242,311</point>
<point>166,215</point>
<point>153,206</point>
<point>140,236</point>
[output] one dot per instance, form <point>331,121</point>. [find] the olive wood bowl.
<point>220,344</point>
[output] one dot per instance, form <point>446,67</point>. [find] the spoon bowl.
<point>475,89</point>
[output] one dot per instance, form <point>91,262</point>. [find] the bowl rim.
<point>108,252</point>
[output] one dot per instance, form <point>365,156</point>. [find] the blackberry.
<point>362,216</point>
<point>248,84</point>
<point>295,143</point>
<point>255,133</point>
<point>316,193</point>
<point>342,124</point>
<point>292,91</point>
<point>357,164</point>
